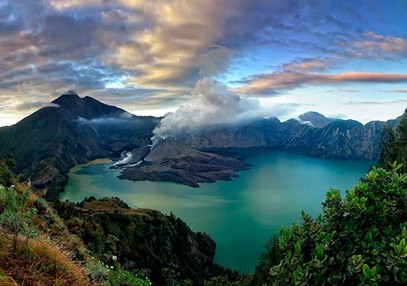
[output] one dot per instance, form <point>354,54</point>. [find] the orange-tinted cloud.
<point>270,84</point>
<point>372,45</point>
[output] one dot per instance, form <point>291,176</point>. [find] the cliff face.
<point>311,134</point>
<point>163,245</point>
<point>339,139</point>
<point>239,136</point>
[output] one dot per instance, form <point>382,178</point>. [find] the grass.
<point>6,280</point>
<point>109,207</point>
<point>40,261</point>
<point>28,255</point>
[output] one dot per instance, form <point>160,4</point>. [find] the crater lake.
<point>240,215</point>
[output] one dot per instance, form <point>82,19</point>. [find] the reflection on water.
<point>241,214</point>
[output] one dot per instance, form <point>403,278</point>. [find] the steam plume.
<point>213,104</point>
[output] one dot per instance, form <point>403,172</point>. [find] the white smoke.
<point>213,104</point>
<point>126,159</point>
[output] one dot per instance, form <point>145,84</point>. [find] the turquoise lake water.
<point>240,215</point>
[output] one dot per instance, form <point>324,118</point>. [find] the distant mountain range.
<point>75,130</point>
<point>310,134</point>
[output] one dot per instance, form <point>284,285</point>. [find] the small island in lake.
<point>168,160</point>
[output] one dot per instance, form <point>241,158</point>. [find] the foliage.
<point>393,145</point>
<point>271,256</point>
<point>220,281</point>
<point>113,275</point>
<point>6,176</point>
<point>358,240</point>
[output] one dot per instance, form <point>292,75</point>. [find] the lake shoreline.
<point>241,214</point>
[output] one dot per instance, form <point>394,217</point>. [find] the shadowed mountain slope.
<point>74,130</point>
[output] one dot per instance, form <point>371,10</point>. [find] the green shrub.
<point>358,240</point>
<point>110,275</point>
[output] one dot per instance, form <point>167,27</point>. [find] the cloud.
<point>34,105</point>
<point>349,90</point>
<point>212,104</point>
<point>305,65</point>
<point>273,83</point>
<point>400,101</point>
<point>214,61</point>
<point>153,51</point>
<point>374,46</point>
<point>398,90</point>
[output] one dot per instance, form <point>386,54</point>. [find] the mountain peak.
<point>316,119</point>
<point>67,98</point>
<point>312,114</point>
<point>86,107</point>
<point>70,92</point>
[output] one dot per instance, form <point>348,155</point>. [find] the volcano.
<point>170,160</point>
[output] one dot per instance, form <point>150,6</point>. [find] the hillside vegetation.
<point>36,247</point>
<point>145,241</point>
<point>98,242</point>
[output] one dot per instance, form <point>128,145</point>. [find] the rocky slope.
<point>173,161</point>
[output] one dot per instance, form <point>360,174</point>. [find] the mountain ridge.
<point>75,130</point>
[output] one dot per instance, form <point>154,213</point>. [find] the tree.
<point>270,257</point>
<point>393,144</point>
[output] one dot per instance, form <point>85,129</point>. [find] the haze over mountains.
<point>75,130</point>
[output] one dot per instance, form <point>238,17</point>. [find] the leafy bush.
<point>358,240</point>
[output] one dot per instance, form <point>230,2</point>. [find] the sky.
<point>203,58</point>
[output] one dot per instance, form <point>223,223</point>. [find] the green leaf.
<point>369,272</point>
<point>298,247</point>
